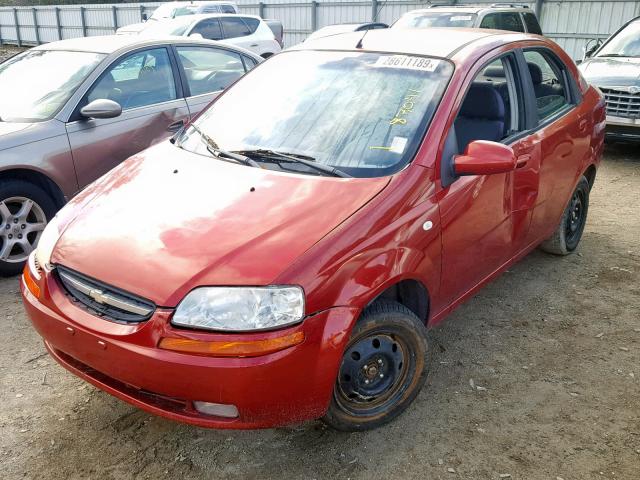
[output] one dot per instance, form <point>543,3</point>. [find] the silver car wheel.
<point>21,224</point>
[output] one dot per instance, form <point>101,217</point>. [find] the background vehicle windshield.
<point>436,19</point>
<point>175,27</point>
<point>169,11</point>
<point>45,79</point>
<point>624,44</point>
<point>364,113</point>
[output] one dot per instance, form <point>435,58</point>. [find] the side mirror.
<point>485,158</point>
<point>196,35</point>
<point>145,17</point>
<point>101,108</point>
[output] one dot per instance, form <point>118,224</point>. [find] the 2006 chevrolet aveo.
<point>282,258</point>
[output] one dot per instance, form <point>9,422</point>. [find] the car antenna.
<point>359,44</point>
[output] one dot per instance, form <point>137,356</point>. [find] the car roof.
<point>109,44</point>
<point>435,42</point>
<point>498,7</point>
<point>200,16</point>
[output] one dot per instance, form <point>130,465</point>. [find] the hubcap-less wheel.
<point>372,374</point>
<point>576,218</point>
<point>21,224</point>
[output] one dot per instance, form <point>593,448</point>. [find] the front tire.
<point>384,366</point>
<point>569,232</point>
<point>25,209</point>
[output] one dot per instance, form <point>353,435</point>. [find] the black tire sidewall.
<point>583,185</point>
<point>21,188</point>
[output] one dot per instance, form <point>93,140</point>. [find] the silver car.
<point>72,110</point>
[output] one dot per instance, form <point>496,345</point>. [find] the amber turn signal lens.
<point>243,348</point>
<point>32,286</point>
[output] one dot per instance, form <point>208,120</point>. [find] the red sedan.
<point>282,258</point>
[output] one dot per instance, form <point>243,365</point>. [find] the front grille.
<point>103,300</point>
<point>621,103</point>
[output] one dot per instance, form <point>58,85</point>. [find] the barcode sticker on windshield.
<point>460,18</point>
<point>407,62</point>
<point>398,144</point>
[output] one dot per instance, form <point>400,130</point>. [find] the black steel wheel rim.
<point>576,217</point>
<point>373,373</point>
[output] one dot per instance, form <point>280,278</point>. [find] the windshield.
<point>624,44</point>
<point>169,10</point>
<point>45,79</point>
<point>435,19</point>
<point>175,27</point>
<point>362,113</point>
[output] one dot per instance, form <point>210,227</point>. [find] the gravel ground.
<point>7,51</point>
<point>554,344</point>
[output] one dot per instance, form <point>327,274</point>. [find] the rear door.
<point>207,71</point>
<point>145,84</point>
<point>563,134</point>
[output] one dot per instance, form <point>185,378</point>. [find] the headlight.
<point>240,308</point>
<point>47,242</point>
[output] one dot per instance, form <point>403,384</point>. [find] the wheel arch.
<point>410,292</point>
<point>590,175</point>
<point>37,178</point>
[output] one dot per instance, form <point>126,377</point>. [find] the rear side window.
<point>252,23</point>
<point>532,24</point>
<point>503,21</point>
<point>227,9</point>
<point>209,29</point>
<point>549,83</point>
<point>211,9</point>
<point>234,27</point>
<point>249,62</point>
<point>209,69</point>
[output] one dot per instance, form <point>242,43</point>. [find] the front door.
<point>143,83</point>
<point>478,227</point>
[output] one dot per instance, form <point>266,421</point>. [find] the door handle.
<point>175,126</point>
<point>254,45</point>
<point>522,160</point>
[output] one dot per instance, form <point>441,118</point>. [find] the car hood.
<point>132,28</point>
<point>13,134</point>
<point>166,221</point>
<point>612,71</point>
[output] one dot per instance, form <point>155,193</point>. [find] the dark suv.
<point>498,16</point>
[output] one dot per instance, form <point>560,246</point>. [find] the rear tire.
<point>384,366</point>
<point>25,209</point>
<point>569,232</point>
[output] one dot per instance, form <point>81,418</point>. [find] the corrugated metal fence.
<point>569,22</point>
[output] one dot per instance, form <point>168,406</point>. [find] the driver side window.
<point>492,110</point>
<point>140,79</point>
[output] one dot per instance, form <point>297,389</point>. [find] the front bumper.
<point>280,388</point>
<point>619,128</point>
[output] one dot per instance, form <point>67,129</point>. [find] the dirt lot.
<point>555,342</point>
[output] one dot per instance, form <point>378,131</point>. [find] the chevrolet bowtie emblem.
<point>97,295</point>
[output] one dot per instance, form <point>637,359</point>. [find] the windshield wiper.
<point>215,150</point>
<point>294,157</point>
